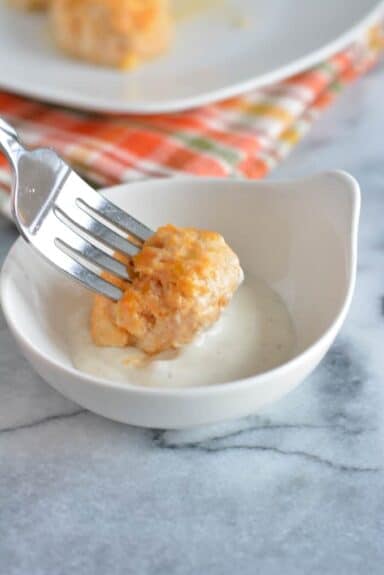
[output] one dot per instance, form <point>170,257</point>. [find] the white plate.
<point>212,58</point>
<point>299,236</point>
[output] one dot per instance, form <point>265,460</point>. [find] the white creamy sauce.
<point>255,333</point>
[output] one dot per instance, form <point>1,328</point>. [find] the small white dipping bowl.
<point>299,236</point>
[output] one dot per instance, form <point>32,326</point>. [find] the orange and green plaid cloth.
<point>242,137</point>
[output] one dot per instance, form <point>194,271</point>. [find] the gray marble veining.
<point>296,489</point>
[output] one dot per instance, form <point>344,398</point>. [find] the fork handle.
<point>9,142</point>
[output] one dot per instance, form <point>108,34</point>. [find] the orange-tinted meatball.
<point>181,281</point>
<point>117,33</point>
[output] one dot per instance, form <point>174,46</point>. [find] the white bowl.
<point>299,236</point>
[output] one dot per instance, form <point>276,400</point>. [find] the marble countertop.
<point>296,489</point>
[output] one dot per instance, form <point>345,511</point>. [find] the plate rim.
<point>100,104</point>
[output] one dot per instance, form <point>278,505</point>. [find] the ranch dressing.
<point>254,334</point>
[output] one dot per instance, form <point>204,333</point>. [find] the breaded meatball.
<point>181,281</point>
<point>117,33</point>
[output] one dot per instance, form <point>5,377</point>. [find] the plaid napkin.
<point>242,137</point>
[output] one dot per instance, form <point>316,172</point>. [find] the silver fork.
<point>76,228</point>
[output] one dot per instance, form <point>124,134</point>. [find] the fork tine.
<point>122,219</point>
<point>102,260</point>
<point>81,248</point>
<point>88,278</point>
<point>99,203</point>
<point>44,242</point>
<point>94,230</point>
<point>71,267</point>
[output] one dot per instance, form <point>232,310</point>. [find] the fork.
<point>74,227</point>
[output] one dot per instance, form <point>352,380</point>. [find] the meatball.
<point>181,280</point>
<point>117,33</point>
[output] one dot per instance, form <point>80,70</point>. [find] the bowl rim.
<point>291,365</point>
